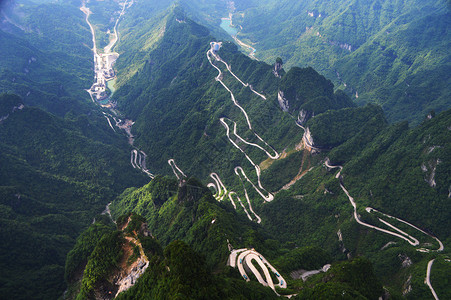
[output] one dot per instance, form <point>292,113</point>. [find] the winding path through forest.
<point>137,157</point>
<point>243,258</point>
<point>400,233</point>
<point>221,191</point>
<point>177,172</point>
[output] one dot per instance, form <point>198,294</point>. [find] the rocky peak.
<point>278,66</point>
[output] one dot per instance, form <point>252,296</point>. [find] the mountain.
<point>56,175</point>
<point>180,107</point>
<point>266,178</point>
<point>174,268</point>
<point>47,60</point>
<point>390,53</point>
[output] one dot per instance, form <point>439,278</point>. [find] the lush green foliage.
<point>307,258</point>
<point>181,274</point>
<point>337,126</point>
<point>187,214</point>
<point>391,53</point>
<point>102,260</point>
<point>85,245</point>
<point>47,60</point>
<point>55,175</point>
<point>306,90</point>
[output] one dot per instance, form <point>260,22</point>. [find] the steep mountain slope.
<point>176,101</point>
<point>279,184</point>
<point>266,145</point>
<point>392,169</point>
<point>46,60</point>
<point>190,213</point>
<point>391,53</point>
<point>55,175</point>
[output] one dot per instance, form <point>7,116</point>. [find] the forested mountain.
<point>266,177</point>
<point>393,53</point>
<point>55,176</point>
<point>46,60</point>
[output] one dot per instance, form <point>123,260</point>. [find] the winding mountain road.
<point>243,258</point>
<point>137,157</point>
<point>138,161</point>
<point>267,196</point>
<point>428,279</point>
<point>399,233</point>
<point>177,172</point>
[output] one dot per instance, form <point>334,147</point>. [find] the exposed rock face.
<point>407,287</point>
<point>304,274</point>
<point>430,178</point>
<point>344,46</point>
<point>308,140</point>
<point>20,106</point>
<point>406,261</point>
<point>144,230</point>
<point>130,279</point>
<point>277,68</point>
<point>283,102</point>
<point>4,118</point>
<point>304,116</point>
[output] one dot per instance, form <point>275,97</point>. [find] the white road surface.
<point>177,172</point>
<point>428,279</point>
<point>399,233</point>
<point>243,259</point>
<point>221,190</point>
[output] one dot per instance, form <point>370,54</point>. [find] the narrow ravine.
<point>104,72</point>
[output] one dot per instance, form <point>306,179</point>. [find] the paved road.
<point>177,172</point>
<point>399,233</point>
<point>136,155</point>
<point>221,191</point>
<point>428,279</point>
<point>138,161</point>
<point>243,258</point>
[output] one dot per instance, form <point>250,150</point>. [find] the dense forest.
<point>56,175</point>
<point>394,54</point>
<point>326,150</point>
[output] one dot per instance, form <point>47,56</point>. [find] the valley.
<point>104,74</point>
<point>194,170</point>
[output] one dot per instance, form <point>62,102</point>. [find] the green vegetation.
<point>307,258</point>
<point>187,214</point>
<point>335,127</point>
<point>58,173</point>
<point>349,280</point>
<point>56,176</point>
<point>86,243</point>
<point>102,260</point>
<point>394,54</point>
<point>180,271</point>
<point>306,90</point>
<point>47,60</point>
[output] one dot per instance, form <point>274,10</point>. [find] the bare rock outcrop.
<point>283,102</point>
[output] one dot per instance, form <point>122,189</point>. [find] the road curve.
<point>243,259</point>
<point>428,279</point>
<point>177,172</point>
<point>221,191</point>
<point>220,188</point>
<point>408,238</point>
<point>403,235</point>
<point>218,78</point>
